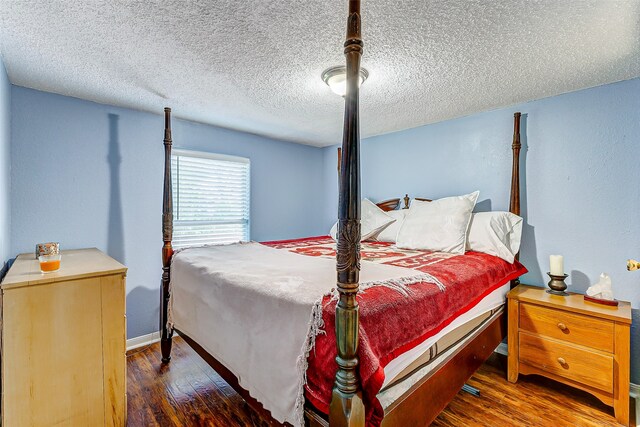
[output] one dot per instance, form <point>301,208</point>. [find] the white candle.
<point>556,265</point>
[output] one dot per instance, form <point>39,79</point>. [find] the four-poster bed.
<point>424,397</point>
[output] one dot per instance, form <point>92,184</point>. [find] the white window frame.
<point>212,156</point>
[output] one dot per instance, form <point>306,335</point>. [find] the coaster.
<point>609,302</point>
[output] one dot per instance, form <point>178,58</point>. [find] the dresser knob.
<point>562,327</point>
<point>562,361</point>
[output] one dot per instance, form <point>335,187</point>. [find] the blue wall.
<point>5,168</point>
<point>96,171</point>
<point>87,175</point>
<point>581,187</point>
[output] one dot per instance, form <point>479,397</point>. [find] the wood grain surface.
<point>591,368</point>
<point>574,303</point>
<point>50,332</point>
<point>189,392</point>
<point>75,264</point>
<point>63,347</point>
<point>571,327</point>
<point>570,340</point>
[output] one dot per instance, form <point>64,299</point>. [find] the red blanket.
<point>392,323</point>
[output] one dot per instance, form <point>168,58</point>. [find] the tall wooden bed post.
<point>347,408</point>
<point>167,235</point>
<point>514,202</point>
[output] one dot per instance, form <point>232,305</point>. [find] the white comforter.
<point>257,310</point>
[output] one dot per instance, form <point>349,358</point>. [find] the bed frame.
<point>426,399</point>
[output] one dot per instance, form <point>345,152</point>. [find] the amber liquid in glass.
<point>48,266</point>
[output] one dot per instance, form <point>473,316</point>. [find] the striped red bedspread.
<point>393,322</point>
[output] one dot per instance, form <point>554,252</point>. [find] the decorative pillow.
<point>390,232</point>
<point>372,221</point>
<point>440,225</point>
<point>495,233</point>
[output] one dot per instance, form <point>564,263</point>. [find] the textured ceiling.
<point>255,65</point>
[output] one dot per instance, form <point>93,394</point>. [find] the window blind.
<point>210,198</point>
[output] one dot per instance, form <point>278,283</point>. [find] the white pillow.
<point>495,233</point>
<point>390,232</point>
<point>372,221</point>
<point>440,225</point>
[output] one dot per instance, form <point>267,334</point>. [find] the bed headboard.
<point>389,205</point>
<point>393,204</point>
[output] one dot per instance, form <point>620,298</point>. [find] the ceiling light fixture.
<point>336,78</point>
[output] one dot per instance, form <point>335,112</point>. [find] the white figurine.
<point>602,289</point>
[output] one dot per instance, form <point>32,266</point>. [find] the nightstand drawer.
<point>568,361</point>
<point>570,327</point>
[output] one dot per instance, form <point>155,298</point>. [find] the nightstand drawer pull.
<point>562,361</point>
<point>562,327</point>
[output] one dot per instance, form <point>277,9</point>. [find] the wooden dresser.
<point>63,342</point>
<point>582,344</point>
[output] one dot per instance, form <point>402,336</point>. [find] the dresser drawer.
<point>578,364</point>
<point>570,327</point>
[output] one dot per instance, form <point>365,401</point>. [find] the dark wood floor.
<point>187,392</point>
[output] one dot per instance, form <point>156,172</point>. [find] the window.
<point>210,198</point>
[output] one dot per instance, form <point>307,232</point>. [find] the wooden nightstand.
<point>63,342</point>
<point>578,343</point>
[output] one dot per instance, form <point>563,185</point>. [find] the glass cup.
<point>49,263</point>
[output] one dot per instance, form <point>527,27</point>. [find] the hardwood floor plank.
<point>199,377</point>
<point>211,385</point>
<point>531,401</point>
<point>137,415</point>
<point>232,400</point>
<point>187,392</point>
<point>193,410</point>
<point>165,411</point>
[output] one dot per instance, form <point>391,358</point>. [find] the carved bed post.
<point>347,408</point>
<point>167,235</point>
<point>514,201</point>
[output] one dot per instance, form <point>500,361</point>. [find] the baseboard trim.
<point>148,339</point>
<point>143,340</point>
<point>634,391</point>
